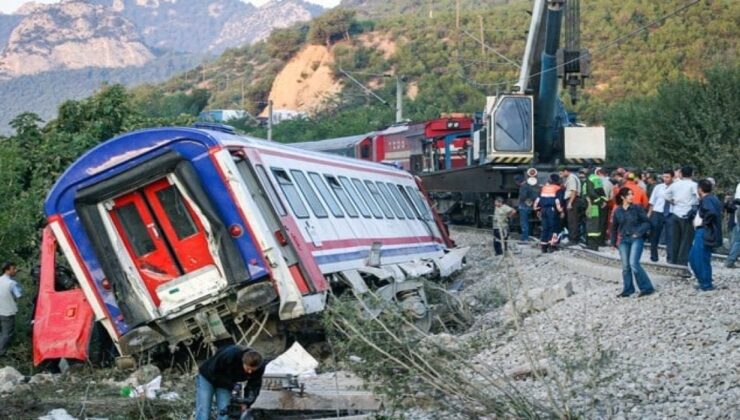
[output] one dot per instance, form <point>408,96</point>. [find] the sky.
<point>9,6</point>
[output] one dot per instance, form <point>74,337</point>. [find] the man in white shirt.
<point>10,291</point>
<point>735,242</point>
<point>684,199</point>
<point>657,215</point>
<point>605,213</point>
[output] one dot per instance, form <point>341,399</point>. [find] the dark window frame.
<point>358,201</point>
<point>396,191</point>
<point>378,197</point>
<point>302,211</point>
<point>182,223</point>
<point>365,194</point>
<point>313,200</point>
<point>137,234</point>
<point>269,188</point>
<point>325,193</point>
<point>342,196</point>
<point>385,192</point>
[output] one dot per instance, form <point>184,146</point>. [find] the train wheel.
<point>415,308</point>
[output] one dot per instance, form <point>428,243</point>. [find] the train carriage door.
<point>162,234</point>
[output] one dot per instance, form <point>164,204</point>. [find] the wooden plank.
<point>317,401</point>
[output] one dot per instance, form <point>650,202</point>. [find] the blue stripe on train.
<point>356,255</point>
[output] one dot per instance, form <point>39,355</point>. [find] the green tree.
<point>332,25</point>
<point>694,122</point>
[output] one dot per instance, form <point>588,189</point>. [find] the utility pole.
<point>457,15</point>
<point>269,120</point>
<point>482,41</point>
<point>399,98</point>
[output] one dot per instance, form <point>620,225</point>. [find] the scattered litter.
<point>57,414</point>
<point>148,390</point>
<point>295,361</point>
<point>170,396</point>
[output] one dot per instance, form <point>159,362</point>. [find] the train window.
<point>361,206</point>
<point>410,202</point>
<point>291,193</point>
<point>267,185</point>
<point>365,151</point>
<point>397,192</point>
<point>379,199</point>
<point>326,194</point>
<point>391,201</point>
<point>419,201</point>
<point>368,199</point>
<point>176,211</point>
<point>135,229</point>
<point>309,194</point>
<point>341,195</point>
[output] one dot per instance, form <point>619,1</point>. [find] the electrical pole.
<point>399,98</point>
<point>482,41</point>
<point>457,15</point>
<point>269,120</point>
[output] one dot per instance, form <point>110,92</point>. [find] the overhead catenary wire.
<point>619,40</point>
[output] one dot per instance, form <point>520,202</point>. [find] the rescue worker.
<point>218,375</point>
<point>640,197</point>
<point>592,190</point>
<point>549,207</point>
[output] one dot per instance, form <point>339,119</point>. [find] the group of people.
<point>625,209</point>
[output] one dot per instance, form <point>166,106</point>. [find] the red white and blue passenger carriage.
<point>178,235</point>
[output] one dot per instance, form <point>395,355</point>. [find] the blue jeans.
<point>734,246</point>
<point>700,260</point>
<point>656,228</point>
<point>630,251</point>
<point>524,213</point>
<point>204,392</point>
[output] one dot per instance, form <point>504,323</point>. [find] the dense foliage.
<point>687,121</point>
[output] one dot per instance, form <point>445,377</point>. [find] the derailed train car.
<point>192,235</point>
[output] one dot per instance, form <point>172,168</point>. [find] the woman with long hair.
<point>629,227</point>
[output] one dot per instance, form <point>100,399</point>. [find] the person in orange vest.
<point>549,207</point>
<point>640,197</point>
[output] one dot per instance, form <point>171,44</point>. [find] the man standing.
<point>572,187</point>
<point>735,238</point>
<point>683,197</point>
<point>528,192</point>
<point>10,292</point>
<point>501,215</point>
<point>219,374</point>
<point>657,215</point>
<point>604,214</point>
<point>708,235</point>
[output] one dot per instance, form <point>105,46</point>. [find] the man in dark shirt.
<point>219,374</point>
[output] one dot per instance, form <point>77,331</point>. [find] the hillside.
<point>75,46</point>
<point>448,72</point>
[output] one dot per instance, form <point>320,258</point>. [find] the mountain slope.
<point>72,36</point>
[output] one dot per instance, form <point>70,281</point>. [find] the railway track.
<point>605,259</point>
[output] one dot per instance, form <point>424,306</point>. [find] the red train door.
<point>162,234</point>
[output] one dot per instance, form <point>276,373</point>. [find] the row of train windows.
<point>342,195</point>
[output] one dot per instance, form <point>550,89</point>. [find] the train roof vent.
<point>216,127</point>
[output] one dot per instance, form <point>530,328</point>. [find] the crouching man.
<point>219,374</point>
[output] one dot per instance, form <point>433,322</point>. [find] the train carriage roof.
<point>121,153</point>
<point>332,144</point>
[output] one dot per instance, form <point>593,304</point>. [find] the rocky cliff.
<point>70,36</point>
